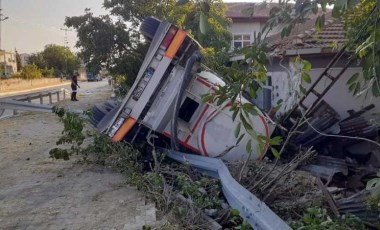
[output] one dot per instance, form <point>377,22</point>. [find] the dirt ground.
<point>37,192</point>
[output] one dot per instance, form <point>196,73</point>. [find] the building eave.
<point>248,19</point>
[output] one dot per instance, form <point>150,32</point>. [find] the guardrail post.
<point>50,98</point>
<point>58,96</point>
<point>64,94</point>
<point>41,99</point>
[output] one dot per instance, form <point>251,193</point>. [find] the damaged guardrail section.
<point>253,210</point>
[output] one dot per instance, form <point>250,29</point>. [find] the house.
<point>319,48</point>
<point>344,129</point>
<point>8,64</point>
<point>248,19</point>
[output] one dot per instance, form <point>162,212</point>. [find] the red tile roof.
<point>305,36</point>
<point>237,10</point>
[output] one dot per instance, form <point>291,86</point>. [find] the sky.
<point>32,24</point>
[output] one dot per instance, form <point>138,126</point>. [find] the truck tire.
<point>149,27</point>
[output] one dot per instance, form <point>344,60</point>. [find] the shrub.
<point>48,72</point>
<point>30,72</point>
<point>16,75</point>
<point>318,219</point>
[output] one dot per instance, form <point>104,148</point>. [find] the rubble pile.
<point>348,157</point>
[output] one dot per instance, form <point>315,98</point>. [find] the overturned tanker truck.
<point>166,101</point>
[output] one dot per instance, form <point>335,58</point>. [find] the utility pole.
<point>2,18</point>
<point>65,44</point>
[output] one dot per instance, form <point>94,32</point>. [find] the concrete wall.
<point>338,96</point>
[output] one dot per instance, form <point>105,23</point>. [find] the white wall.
<point>250,28</point>
<point>282,89</point>
<point>338,96</point>
<point>245,28</point>
<point>10,62</point>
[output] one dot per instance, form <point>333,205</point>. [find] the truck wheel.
<point>149,27</point>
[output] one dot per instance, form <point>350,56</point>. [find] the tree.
<point>56,57</point>
<point>135,11</point>
<point>30,72</point>
<point>205,20</point>
<point>18,61</point>
<point>60,58</point>
<point>114,42</point>
<point>187,14</point>
<point>38,60</point>
<point>104,42</point>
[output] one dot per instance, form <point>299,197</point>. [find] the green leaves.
<point>306,65</point>
<point>376,89</point>
<point>303,90</point>
<point>203,23</point>
<point>373,185</point>
<point>306,77</point>
<point>275,153</point>
<point>248,146</point>
<point>237,130</point>
<point>320,23</point>
<point>59,111</point>
<point>250,108</point>
<point>353,79</point>
<point>354,84</point>
<point>286,30</point>
<point>205,6</point>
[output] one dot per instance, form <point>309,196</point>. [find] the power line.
<point>2,18</point>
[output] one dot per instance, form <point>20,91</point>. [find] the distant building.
<point>24,59</point>
<point>248,19</point>
<point>8,64</point>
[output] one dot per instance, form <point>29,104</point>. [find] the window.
<point>188,109</point>
<point>241,40</point>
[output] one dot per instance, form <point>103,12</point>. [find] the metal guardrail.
<point>16,103</point>
<point>253,210</point>
<point>41,95</point>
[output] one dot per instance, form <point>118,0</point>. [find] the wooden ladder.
<point>323,75</point>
